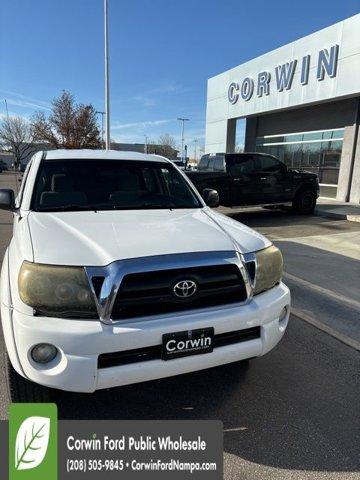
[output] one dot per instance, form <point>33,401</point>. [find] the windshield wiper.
<point>98,207</point>
<point>66,208</point>
<point>143,206</point>
<point>159,205</point>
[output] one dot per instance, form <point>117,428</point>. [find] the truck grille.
<point>151,293</point>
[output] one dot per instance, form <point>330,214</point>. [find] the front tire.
<point>22,390</point>
<point>304,202</point>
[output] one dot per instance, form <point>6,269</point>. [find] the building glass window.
<point>318,152</point>
<point>338,133</point>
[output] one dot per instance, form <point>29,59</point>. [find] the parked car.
<point>119,272</point>
<point>3,166</point>
<point>256,179</point>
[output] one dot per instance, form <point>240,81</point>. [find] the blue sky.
<point>162,52</point>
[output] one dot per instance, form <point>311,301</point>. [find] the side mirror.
<point>7,199</point>
<point>211,197</point>
<point>284,168</point>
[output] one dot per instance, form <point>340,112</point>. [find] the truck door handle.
<point>237,179</point>
<point>263,178</point>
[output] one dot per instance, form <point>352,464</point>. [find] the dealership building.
<point>301,103</point>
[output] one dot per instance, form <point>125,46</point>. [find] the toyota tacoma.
<point>119,272</point>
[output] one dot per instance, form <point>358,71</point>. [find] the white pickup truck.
<point>119,272</point>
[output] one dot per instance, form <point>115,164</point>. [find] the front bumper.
<point>80,342</point>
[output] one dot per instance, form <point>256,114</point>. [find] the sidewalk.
<point>340,210</point>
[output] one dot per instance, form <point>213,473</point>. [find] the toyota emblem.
<point>185,289</point>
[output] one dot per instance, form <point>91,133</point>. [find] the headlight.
<point>56,291</point>
<point>269,268</point>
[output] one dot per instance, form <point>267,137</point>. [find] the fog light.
<point>43,353</point>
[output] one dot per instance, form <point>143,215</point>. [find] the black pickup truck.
<point>246,179</point>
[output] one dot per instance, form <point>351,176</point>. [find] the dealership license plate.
<point>189,342</point>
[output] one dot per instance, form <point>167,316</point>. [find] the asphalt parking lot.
<point>293,414</point>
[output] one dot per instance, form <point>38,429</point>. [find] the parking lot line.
<point>325,328</point>
<point>350,302</point>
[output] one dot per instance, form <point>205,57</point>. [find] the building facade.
<point>301,103</point>
<point>152,148</point>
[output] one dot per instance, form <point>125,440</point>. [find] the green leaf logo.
<point>32,442</point>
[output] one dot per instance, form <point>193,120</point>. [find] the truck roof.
<point>101,155</point>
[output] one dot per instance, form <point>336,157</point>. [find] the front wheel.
<point>22,390</point>
<point>304,202</point>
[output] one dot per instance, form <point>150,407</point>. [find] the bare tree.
<point>69,125</point>
<point>167,140</point>
<point>17,136</point>
<point>166,146</point>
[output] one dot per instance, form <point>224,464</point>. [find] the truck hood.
<point>99,238</point>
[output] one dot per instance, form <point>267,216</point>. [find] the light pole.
<point>146,144</point>
<point>102,127</point>
<point>107,86</point>
<point>195,155</point>
<point>7,111</point>
<point>182,120</point>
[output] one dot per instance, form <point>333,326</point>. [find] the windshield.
<point>72,185</point>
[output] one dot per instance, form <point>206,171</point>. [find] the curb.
<point>353,218</point>
<point>337,216</point>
